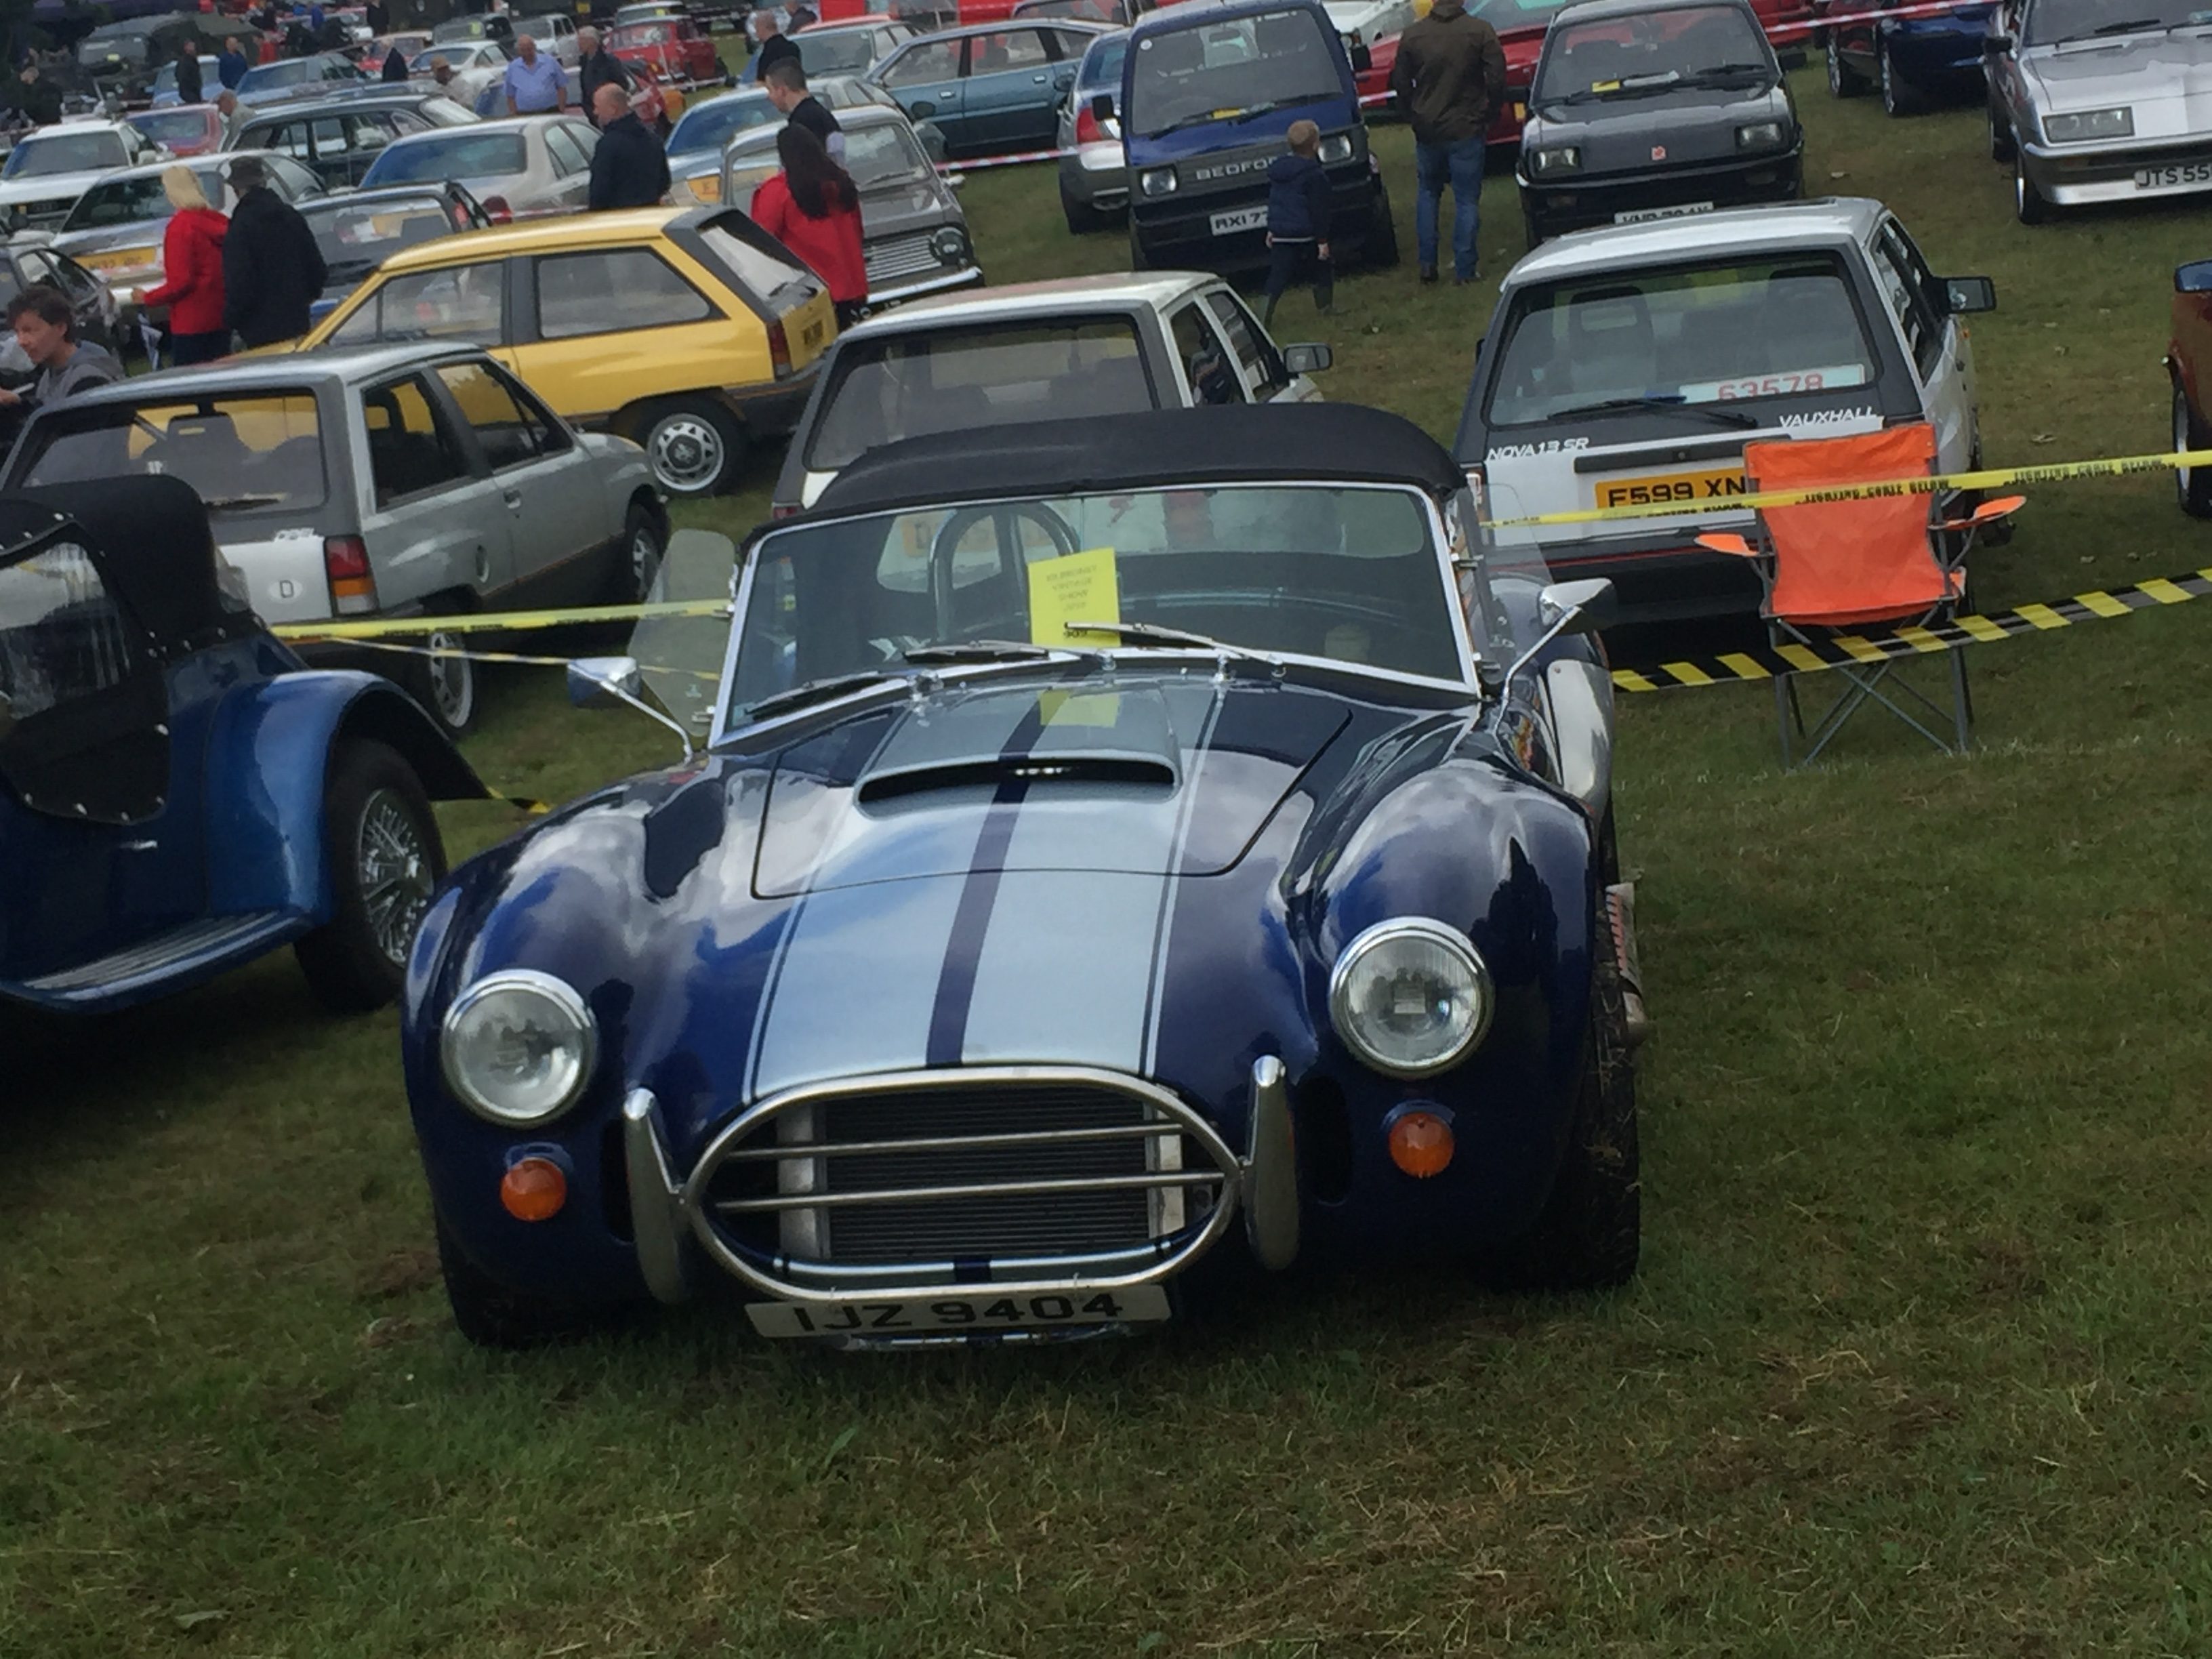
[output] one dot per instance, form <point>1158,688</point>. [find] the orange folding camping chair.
<point>1831,568</point>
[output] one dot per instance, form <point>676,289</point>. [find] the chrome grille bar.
<point>950,1143</point>
<point>973,1189</point>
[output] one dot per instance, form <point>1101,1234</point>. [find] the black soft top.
<point>151,538</point>
<point>1245,443</point>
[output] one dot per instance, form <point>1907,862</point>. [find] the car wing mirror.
<point>1962,294</point>
<point>1363,59</point>
<point>1794,58</point>
<point>2195,278</point>
<point>1995,46</point>
<point>1102,105</point>
<point>1580,607</point>
<point>603,682</point>
<point>1307,358</point>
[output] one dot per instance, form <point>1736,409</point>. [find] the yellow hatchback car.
<point>692,332</point>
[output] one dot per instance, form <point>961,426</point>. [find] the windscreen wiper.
<point>1730,72</point>
<point>816,691</point>
<point>218,503</point>
<point>1661,405</point>
<point>1200,118</point>
<point>2133,25</point>
<point>1153,634</point>
<point>978,651</point>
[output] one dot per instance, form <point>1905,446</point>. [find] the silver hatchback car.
<point>1094,172</point>
<point>527,166</point>
<point>381,480</point>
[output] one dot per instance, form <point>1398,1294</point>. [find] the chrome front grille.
<point>890,258</point>
<point>964,1176</point>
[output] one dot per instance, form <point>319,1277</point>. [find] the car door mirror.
<point>603,682</point>
<point>1582,607</point>
<point>1362,59</point>
<point>2195,278</point>
<point>1996,46</point>
<point>1792,59</point>
<point>1306,359</point>
<point>1962,294</point>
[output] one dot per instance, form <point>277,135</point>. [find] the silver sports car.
<point>2101,100</point>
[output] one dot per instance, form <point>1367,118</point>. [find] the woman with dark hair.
<point>813,207</point>
<point>46,328</point>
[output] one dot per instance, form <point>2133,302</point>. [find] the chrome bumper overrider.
<point>672,1217</point>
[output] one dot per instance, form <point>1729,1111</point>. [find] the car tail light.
<point>1087,130</point>
<point>496,210</point>
<point>345,561</point>
<point>778,348</point>
<point>783,510</point>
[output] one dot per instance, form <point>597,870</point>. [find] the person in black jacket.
<point>629,169</point>
<point>272,271</point>
<point>596,67</point>
<point>188,73</point>
<point>395,64</point>
<point>1297,221</point>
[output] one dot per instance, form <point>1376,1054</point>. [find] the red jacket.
<point>192,268</point>
<point>831,245</point>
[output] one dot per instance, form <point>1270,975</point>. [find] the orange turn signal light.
<point>1421,1144</point>
<point>533,1189</point>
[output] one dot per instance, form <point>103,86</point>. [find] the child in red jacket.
<point>813,207</point>
<point>192,271</point>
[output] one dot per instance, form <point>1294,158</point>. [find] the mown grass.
<point>1917,1363</point>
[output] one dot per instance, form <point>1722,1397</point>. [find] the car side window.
<point>933,60</point>
<point>410,450</point>
<point>1255,354</point>
<point>292,180</point>
<point>612,291</point>
<point>1923,326</point>
<point>62,635</point>
<point>511,435</point>
<point>1068,46</point>
<point>460,302</point>
<point>1007,49</point>
<point>35,266</point>
<point>1205,360</point>
<point>289,139</point>
<point>568,156</point>
<point>76,281</point>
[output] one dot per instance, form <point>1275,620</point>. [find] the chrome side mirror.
<point>1582,607</point>
<point>1307,358</point>
<point>603,682</point>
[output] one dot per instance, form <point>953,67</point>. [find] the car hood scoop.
<point>1154,777</point>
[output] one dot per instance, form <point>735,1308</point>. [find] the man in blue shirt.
<point>535,84</point>
<point>230,64</point>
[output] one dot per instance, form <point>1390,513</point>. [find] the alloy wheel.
<point>2181,436</point>
<point>394,868</point>
<point>686,452</point>
<point>644,561</point>
<point>1835,69</point>
<point>453,682</point>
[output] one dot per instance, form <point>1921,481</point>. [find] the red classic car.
<point>676,47</point>
<point>2189,363</point>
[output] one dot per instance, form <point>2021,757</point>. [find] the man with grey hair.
<point>596,67</point>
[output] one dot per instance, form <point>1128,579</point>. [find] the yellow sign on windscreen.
<point>1078,587</point>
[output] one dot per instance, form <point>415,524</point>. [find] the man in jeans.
<point>1449,75</point>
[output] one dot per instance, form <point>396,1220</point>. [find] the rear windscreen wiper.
<point>1661,405</point>
<point>219,503</point>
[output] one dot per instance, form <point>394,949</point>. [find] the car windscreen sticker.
<point>1825,378</point>
<point>1077,587</point>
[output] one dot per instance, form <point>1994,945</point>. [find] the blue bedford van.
<point>1208,92</point>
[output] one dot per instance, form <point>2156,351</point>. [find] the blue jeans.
<point>1459,166</point>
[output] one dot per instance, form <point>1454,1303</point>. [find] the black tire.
<point>2028,205</point>
<point>1380,250</point>
<point>1082,217</point>
<point>446,687</point>
<point>1590,1232</point>
<point>644,540</point>
<point>386,859</point>
<point>1531,227</point>
<point>2002,146</point>
<point>1138,259</point>
<point>1899,97</point>
<point>492,1315</point>
<point>2193,485</point>
<point>694,446</point>
<point>1844,81</point>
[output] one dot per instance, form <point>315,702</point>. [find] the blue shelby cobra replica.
<point>177,795</point>
<point>1117,842</point>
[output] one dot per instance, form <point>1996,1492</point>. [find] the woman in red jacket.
<point>191,271</point>
<point>813,207</point>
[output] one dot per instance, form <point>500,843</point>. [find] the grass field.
<point>1916,1365</point>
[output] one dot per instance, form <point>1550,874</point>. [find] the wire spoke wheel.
<point>396,873</point>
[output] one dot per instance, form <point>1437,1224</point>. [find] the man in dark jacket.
<point>775,47</point>
<point>1298,220</point>
<point>628,167</point>
<point>395,65</point>
<point>272,271</point>
<point>189,89</point>
<point>1449,76</point>
<point>596,67</point>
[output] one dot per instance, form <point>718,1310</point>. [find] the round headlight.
<point>948,244</point>
<point>1410,996</point>
<point>519,1047</point>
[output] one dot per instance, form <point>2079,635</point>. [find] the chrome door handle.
<point>513,498</point>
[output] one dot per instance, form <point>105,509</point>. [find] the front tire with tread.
<point>384,857</point>
<point>2193,485</point>
<point>2028,203</point>
<point>492,1316</point>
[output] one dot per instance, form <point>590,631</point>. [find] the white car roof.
<point>1610,247</point>
<point>1156,290</point>
<point>76,128</point>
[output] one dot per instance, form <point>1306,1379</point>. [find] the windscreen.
<point>1777,326</point>
<point>173,126</point>
<point>641,35</point>
<point>245,451</point>
<point>1232,70</point>
<point>461,155</point>
<point>2050,21</point>
<point>710,126</point>
<point>357,237</point>
<point>130,200</point>
<point>909,386</point>
<point>65,152</point>
<point>1349,574</point>
<point>756,263</point>
<point>1652,51</point>
<point>835,51</point>
<point>881,153</point>
<point>1504,14</point>
<point>262,76</point>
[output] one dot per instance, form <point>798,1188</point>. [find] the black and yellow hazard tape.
<point>503,622</point>
<point>1852,650</point>
<point>1997,477</point>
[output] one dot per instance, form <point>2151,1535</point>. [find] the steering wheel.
<point>1012,578</point>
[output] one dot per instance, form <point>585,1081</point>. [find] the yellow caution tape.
<point>499,623</point>
<point>1986,478</point>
